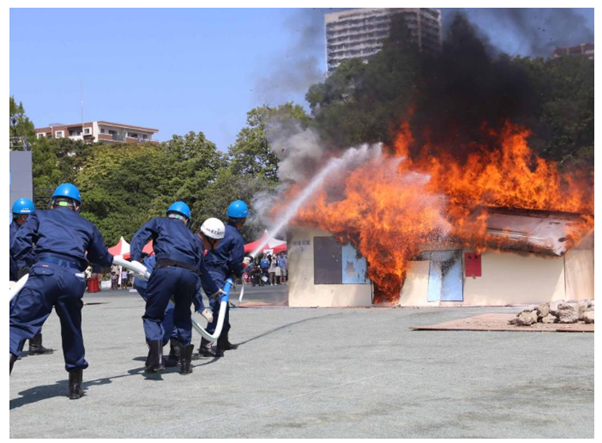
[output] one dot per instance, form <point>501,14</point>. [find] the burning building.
<point>502,226</point>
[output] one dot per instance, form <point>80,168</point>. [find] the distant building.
<point>583,50</point>
<point>99,131</point>
<point>359,33</point>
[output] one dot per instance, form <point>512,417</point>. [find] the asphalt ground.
<point>321,373</point>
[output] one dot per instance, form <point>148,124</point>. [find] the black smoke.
<point>533,32</point>
<point>467,90</point>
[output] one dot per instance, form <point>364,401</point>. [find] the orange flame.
<point>392,205</point>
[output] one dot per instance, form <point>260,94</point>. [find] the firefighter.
<point>169,332</point>
<point>177,272</point>
<point>65,242</point>
<point>227,259</point>
<point>22,208</point>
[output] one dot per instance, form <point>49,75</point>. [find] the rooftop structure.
<point>583,50</point>
<point>98,131</point>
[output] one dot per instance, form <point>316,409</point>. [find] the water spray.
<point>351,155</point>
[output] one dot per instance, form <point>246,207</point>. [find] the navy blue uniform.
<point>179,273</point>
<point>56,279</point>
<point>222,262</point>
<point>16,266</point>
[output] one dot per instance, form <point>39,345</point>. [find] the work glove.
<point>218,295</point>
<point>246,261</point>
<point>208,315</point>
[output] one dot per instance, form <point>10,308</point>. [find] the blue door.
<point>445,276</point>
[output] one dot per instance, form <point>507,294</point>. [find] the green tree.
<point>56,161</point>
<point>565,113</point>
<point>253,166</point>
<point>21,128</point>
<point>361,102</point>
<point>251,155</point>
<point>124,186</point>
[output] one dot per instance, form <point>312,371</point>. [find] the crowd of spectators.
<point>269,270</point>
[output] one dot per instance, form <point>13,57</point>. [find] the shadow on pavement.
<point>271,331</point>
<point>61,389</point>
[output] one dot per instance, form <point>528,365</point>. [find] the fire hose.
<point>17,286</point>
<point>141,270</point>
<point>223,306</point>
<point>136,267</point>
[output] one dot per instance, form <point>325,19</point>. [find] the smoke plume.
<point>534,32</point>
<point>297,68</point>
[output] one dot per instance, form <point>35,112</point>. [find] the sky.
<point>202,70</point>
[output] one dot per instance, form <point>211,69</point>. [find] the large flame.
<point>392,205</point>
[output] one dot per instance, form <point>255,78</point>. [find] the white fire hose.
<point>250,258</point>
<point>136,267</point>
<point>139,269</point>
<point>16,287</point>
<point>223,306</point>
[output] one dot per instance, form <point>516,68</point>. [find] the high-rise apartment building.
<point>359,33</point>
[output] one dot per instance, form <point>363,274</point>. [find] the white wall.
<point>510,278</point>
<point>415,288</point>
<point>302,292</point>
<point>579,274</point>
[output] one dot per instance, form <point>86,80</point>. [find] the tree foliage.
<point>124,186</point>
<point>20,125</point>
<point>251,155</point>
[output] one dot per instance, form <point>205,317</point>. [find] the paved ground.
<point>321,373</point>
<point>276,295</point>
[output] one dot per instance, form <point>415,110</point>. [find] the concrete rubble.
<point>558,311</point>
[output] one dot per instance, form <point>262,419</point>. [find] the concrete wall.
<point>20,177</point>
<point>579,274</point>
<point>302,292</point>
<point>509,278</point>
<point>415,288</point>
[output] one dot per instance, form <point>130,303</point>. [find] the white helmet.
<point>213,228</point>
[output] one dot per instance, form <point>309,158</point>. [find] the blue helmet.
<point>181,208</point>
<point>238,209</point>
<point>23,206</point>
<point>67,190</point>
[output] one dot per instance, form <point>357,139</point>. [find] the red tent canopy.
<point>277,246</point>
<point>121,248</point>
<point>148,248</point>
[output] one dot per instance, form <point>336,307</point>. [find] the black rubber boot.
<point>221,345</point>
<point>35,346</point>
<point>75,384</point>
<point>186,359</point>
<point>154,362</point>
<point>205,349</point>
<point>229,346</point>
<point>13,359</point>
<point>174,353</point>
